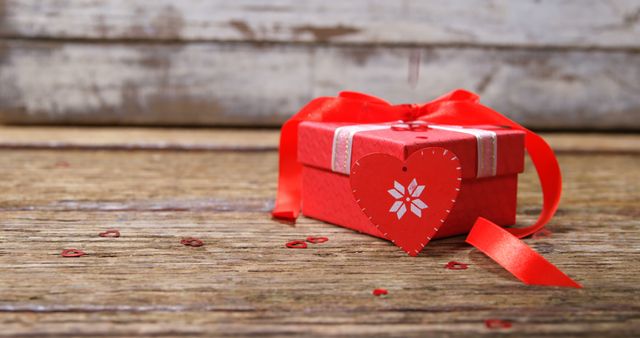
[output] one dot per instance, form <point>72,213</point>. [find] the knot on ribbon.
<point>416,111</point>
<point>410,111</point>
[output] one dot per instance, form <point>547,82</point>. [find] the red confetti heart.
<point>316,240</point>
<point>407,201</point>
<point>297,245</point>
<point>72,253</point>
<point>380,292</point>
<point>110,233</point>
<point>453,265</point>
<point>190,241</point>
<point>497,324</point>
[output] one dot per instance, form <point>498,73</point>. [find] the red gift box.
<point>491,158</point>
<point>470,172</point>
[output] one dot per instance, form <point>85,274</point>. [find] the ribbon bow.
<point>459,107</point>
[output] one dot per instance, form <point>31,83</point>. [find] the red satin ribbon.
<point>459,107</point>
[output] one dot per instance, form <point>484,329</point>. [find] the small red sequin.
<point>297,245</point>
<point>316,240</point>
<point>380,292</point>
<point>497,324</point>
<point>110,233</point>
<point>72,253</point>
<point>542,233</point>
<point>453,265</point>
<point>190,241</point>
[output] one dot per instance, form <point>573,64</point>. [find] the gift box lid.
<point>334,146</point>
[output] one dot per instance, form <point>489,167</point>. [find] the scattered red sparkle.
<point>380,292</point>
<point>72,253</point>
<point>497,324</point>
<point>110,233</point>
<point>316,240</point>
<point>297,245</point>
<point>190,241</point>
<point>453,265</point>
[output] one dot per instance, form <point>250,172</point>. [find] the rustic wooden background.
<point>549,64</point>
<point>572,65</point>
<point>61,186</point>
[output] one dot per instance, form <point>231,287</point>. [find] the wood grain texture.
<point>526,23</point>
<point>130,138</point>
<point>239,84</point>
<point>136,138</point>
<point>593,143</point>
<point>245,282</point>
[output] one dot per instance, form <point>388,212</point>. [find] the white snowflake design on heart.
<point>404,197</point>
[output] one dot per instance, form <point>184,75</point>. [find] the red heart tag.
<point>409,201</point>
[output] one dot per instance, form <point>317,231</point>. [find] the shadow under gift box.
<point>327,196</point>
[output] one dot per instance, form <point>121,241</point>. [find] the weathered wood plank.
<point>151,84</point>
<point>238,84</point>
<point>243,281</point>
<point>135,138</point>
<point>145,180</point>
<point>591,143</point>
<point>227,181</point>
<point>128,138</point>
<point>524,23</point>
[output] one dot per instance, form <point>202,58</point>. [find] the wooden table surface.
<point>60,187</point>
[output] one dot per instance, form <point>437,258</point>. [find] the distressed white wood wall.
<point>549,64</point>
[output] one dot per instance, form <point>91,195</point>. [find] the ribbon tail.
<point>468,112</point>
<point>515,256</point>
<point>289,195</point>
<point>290,171</point>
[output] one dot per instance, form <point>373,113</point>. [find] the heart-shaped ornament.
<point>408,201</point>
